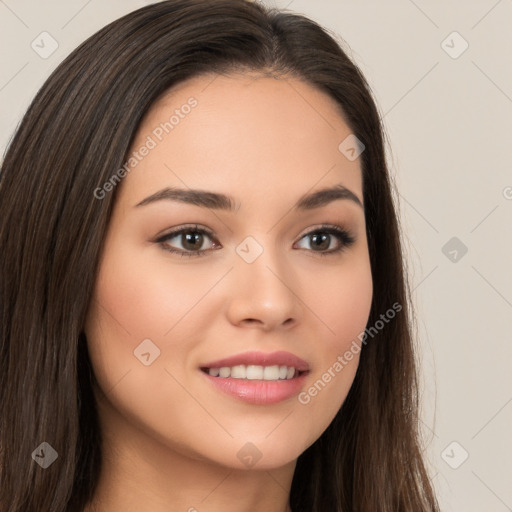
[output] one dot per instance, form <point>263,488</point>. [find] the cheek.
<point>138,298</point>
<point>344,310</point>
<point>142,300</point>
<point>135,301</point>
<point>343,303</point>
<point>127,308</point>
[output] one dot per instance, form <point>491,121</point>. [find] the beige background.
<point>448,114</point>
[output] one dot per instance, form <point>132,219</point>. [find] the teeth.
<point>254,372</point>
<point>238,372</point>
<point>224,372</point>
<point>271,373</point>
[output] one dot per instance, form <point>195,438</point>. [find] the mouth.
<point>258,378</point>
<point>255,372</point>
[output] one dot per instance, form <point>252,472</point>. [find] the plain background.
<point>448,115</point>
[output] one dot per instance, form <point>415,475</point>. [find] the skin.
<point>171,438</point>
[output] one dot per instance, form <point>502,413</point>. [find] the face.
<point>280,282</point>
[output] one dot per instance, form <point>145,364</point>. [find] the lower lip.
<point>259,392</point>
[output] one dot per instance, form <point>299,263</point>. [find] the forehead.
<point>242,135</point>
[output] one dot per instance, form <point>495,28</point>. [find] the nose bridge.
<point>264,285</point>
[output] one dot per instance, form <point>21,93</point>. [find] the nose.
<point>263,294</point>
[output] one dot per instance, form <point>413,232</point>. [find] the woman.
<point>275,372</point>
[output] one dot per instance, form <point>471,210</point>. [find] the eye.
<point>321,240</point>
<point>325,240</point>
<point>191,238</point>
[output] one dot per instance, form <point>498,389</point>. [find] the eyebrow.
<point>218,201</point>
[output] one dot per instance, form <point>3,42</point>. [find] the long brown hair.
<point>74,136</point>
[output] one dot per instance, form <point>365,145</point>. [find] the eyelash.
<point>344,237</point>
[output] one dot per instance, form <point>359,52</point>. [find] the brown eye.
<point>187,241</point>
<point>328,240</point>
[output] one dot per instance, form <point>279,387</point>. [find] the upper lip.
<point>280,358</point>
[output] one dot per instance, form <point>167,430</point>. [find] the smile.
<point>258,378</point>
<point>254,372</point>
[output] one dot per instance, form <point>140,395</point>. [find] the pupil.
<point>191,241</point>
<point>323,239</point>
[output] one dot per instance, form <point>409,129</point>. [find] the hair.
<point>77,130</point>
